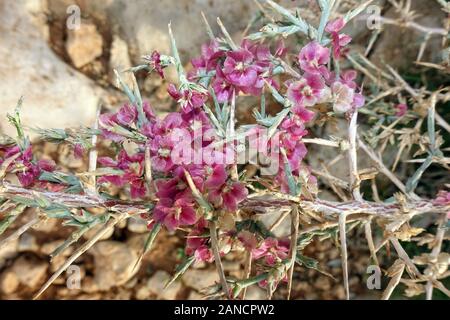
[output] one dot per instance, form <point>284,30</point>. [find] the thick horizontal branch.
<point>330,208</point>
<point>70,200</point>
<point>259,204</point>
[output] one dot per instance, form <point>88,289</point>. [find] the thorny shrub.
<point>185,171</point>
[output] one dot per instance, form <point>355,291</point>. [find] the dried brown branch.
<point>293,246</point>
<point>217,259</point>
<point>85,247</point>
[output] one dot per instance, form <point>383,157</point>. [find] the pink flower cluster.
<point>25,167</point>
<point>443,198</point>
<point>241,70</point>
<point>176,205</point>
<point>273,251</point>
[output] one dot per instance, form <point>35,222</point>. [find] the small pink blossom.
<point>78,151</point>
<point>339,41</point>
<point>443,199</point>
<point>175,212</point>
<point>228,195</point>
<point>210,55</point>
<point>133,172</point>
<point>345,98</point>
<point>313,58</point>
<point>155,63</point>
<point>335,25</point>
<point>272,250</point>
<point>222,88</point>
<point>401,110</point>
<point>308,91</point>
<point>26,169</point>
<point>191,101</point>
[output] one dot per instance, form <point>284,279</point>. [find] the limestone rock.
<point>137,225</point>
<point>156,286</point>
<point>200,279</point>
<point>114,264</point>
<point>8,282</point>
<point>84,44</point>
<point>31,69</point>
<point>30,272</point>
<point>27,242</point>
<point>8,251</point>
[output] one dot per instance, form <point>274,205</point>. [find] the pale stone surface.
<point>84,44</point>
<point>156,286</point>
<point>255,293</point>
<point>28,242</point>
<point>200,279</point>
<point>90,233</point>
<point>8,282</point>
<point>9,251</point>
<point>30,273</point>
<point>194,295</point>
<point>29,68</point>
<point>137,225</point>
<point>114,264</point>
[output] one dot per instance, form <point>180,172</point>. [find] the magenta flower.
<point>222,192</point>
<point>197,242</point>
<point>191,101</point>
<point>244,68</point>
<point>239,69</point>
<point>401,110</point>
<point>210,54</point>
<point>345,98</point>
<point>313,58</point>
<point>133,172</point>
<point>228,195</point>
<point>272,250</point>
<point>443,199</point>
<point>26,170</point>
<point>304,114</point>
<point>161,150</point>
<point>215,176</point>
<point>175,212</point>
<point>78,151</point>
<point>308,91</point>
<point>127,115</point>
<point>339,41</point>
<point>154,62</point>
<point>222,88</point>
<point>294,126</point>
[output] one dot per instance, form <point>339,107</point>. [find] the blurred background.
<point>64,68</point>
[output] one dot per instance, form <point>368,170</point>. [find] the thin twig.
<point>293,247</point>
<point>384,169</point>
<point>369,237</point>
<point>16,234</point>
<point>353,160</point>
<point>435,252</point>
<point>393,283</point>
<point>247,271</point>
<point>343,242</point>
<point>219,266</point>
<point>86,246</point>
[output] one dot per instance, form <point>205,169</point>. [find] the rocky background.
<point>65,74</point>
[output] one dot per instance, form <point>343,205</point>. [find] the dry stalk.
<point>217,259</point>
<point>85,247</point>
<point>293,247</point>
